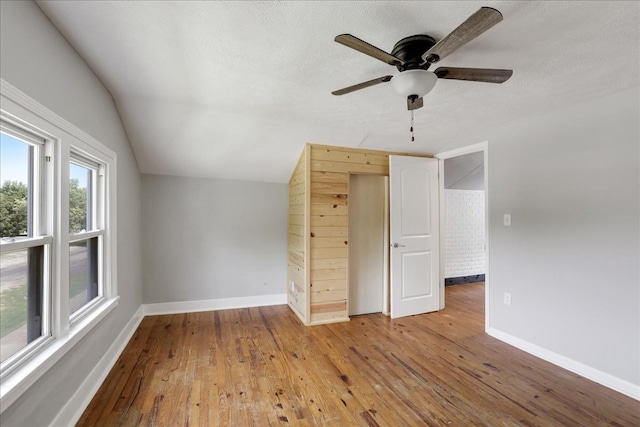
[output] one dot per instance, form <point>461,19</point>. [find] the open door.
<point>415,245</point>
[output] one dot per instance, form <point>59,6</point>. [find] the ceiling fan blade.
<point>475,25</point>
<point>368,49</point>
<point>488,75</point>
<point>362,85</point>
<point>414,104</point>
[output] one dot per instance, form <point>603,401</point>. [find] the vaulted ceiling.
<point>233,90</point>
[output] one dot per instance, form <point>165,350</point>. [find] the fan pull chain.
<point>413,139</point>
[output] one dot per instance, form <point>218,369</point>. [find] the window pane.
<point>21,284</point>
<point>79,198</point>
<point>83,273</point>
<point>14,193</point>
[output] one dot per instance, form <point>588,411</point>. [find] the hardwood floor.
<point>261,367</point>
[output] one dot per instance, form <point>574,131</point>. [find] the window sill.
<point>21,380</point>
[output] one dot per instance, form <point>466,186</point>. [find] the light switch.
<point>507,220</point>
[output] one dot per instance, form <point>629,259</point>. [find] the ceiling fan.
<point>413,56</point>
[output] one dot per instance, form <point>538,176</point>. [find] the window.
<point>57,239</point>
<point>86,232</point>
<point>25,243</point>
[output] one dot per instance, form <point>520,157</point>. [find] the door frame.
<point>385,241</point>
<point>474,148</point>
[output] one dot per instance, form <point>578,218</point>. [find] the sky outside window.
<point>14,159</point>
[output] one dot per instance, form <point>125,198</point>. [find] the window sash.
<point>95,190</point>
<point>84,235</point>
<point>38,248</point>
<point>95,273</point>
<point>22,356</point>
<point>94,230</point>
<point>8,246</point>
<point>83,161</point>
<point>36,188</point>
<point>21,134</point>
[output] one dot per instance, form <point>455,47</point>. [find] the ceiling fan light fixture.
<point>414,82</point>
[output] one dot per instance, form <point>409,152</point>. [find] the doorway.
<point>368,243</point>
<point>411,265</point>
<point>464,214</point>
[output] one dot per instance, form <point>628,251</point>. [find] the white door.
<point>414,215</point>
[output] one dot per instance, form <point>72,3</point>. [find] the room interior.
<point>464,239</point>
<point>212,107</point>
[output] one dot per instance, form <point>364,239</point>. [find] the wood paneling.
<point>349,155</point>
<point>329,199</point>
<point>298,294</point>
<point>296,199</point>
<point>317,264</point>
<point>298,230</point>
<point>330,220</point>
<point>323,210</point>
<point>296,209</point>
<point>330,170</point>
<point>329,188</point>
<point>329,231</point>
<point>328,273</point>
<point>319,226</point>
<point>328,242</point>
<point>296,219</point>
<point>296,258</point>
<point>334,308</point>
<point>328,285</point>
<point>329,253</point>
<point>320,297</point>
<point>328,177</point>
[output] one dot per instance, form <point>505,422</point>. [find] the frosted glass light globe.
<point>414,82</point>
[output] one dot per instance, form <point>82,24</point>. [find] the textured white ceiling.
<point>234,89</point>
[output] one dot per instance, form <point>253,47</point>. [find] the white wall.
<point>210,239</point>
<point>464,237</point>
<point>570,260</point>
<point>465,172</point>
<point>36,59</point>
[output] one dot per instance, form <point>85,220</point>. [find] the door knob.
<point>397,245</point>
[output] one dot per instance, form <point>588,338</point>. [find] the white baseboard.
<point>72,411</point>
<point>607,380</point>
<point>213,304</point>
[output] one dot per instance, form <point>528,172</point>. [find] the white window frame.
<point>98,198</point>
<point>62,139</point>
<point>41,235</point>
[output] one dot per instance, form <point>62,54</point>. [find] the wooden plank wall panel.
<point>330,169</point>
<point>319,228</point>
<point>297,240</point>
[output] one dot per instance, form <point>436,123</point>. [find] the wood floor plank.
<point>261,367</point>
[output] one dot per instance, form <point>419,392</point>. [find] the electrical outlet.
<point>507,220</point>
<point>293,287</point>
<point>507,298</point>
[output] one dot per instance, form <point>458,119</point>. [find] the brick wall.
<point>464,253</point>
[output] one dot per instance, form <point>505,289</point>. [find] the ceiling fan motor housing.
<point>410,50</point>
